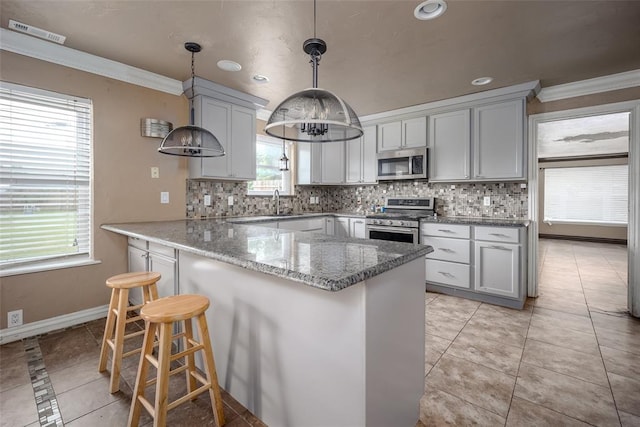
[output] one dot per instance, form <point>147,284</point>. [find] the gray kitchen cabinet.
<point>408,133</point>
<point>149,256</point>
<point>361,157</point>
<point>498,141</point>
<point>450,146</point>
<point>315,225</point>
<point>357,228</point>
<point>329,225</point>
<point>342,227</point>
<point>332,162</point>
<point>235,128</point>
<point>480,143</point>
<point>477,262</point>
<point>320,163</point>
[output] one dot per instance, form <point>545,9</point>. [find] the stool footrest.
<point>133,319</point>
<point>147,405</point>
<point>188,396</point>
<point>187,352</point>
<point>134,334</point>
<point>171,372</point>
<point>199,377</point>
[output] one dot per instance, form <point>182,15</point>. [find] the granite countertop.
<point>286,217</point>
<point>497,222</point>
<point>325,262</point>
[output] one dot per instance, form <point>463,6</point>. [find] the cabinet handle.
<point>144,256</point>
<point>445,273</point>
<point>446,250</point>
<point>445,231</point>
<point>502,248</point>
<point>498,235</point>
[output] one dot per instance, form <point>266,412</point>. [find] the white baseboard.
<point>59,322</point>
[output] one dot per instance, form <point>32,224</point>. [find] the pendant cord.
<point>193,83</point>
<point>314,19</point>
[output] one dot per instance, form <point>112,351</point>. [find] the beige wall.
<point>123,190</point>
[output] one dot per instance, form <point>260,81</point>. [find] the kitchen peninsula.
<point>307,329</point>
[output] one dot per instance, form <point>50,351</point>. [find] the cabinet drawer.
<point>162,250</point>
<point>137,243</point>
<point>446,230</point>
<point>448,273</point>
<point>498,234</point>
<point>444,249</point>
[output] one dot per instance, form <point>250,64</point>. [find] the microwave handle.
<point>410,165</point>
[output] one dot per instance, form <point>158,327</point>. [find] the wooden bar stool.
<point>161,314</point>
<point>117,318</point>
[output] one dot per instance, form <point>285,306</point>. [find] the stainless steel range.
<point>400,222</point>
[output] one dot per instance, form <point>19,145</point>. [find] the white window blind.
<point>45,175</point>
<point>586,195</point>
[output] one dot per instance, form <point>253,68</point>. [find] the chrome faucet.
<point>276,197</point>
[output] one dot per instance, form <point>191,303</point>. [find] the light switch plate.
<point>487,201</point>
<point>312,200</point>
<point>164,197</point>
<point>523,185</point>
<point>230,200</point>
<point>207,199</point>
<point>155,172</point>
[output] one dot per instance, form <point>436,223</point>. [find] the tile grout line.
<point>46,402</point>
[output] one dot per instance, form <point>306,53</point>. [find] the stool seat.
<point>175,308</point>
<point>133,280</point>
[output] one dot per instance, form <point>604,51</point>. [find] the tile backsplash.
<point>507,200</point>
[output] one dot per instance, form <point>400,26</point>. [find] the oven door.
<point>394,234</point>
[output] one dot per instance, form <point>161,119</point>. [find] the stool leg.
<point>153,289</point>
<point>189,359</point>
<point>118,342</point>
<point>210,370</point>
<point>162,386</point>
<point>141,378</point>
<point>108,330</point>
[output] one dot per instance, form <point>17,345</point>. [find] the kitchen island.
<point>307,329</point>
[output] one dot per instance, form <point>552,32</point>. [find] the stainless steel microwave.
<point>402,164</point>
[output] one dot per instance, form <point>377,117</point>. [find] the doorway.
<point>573,148</point>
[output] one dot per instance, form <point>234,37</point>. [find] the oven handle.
<point>391,228</point>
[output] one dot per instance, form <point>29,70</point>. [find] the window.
<point>586,195</point>
<point>269,177</point>
<point>45,177</point>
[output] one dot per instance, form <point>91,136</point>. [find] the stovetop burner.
<point>403,212</point>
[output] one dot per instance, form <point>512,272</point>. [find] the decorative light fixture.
<point>430,9</point>
<point>284,161</point>
<point>191,141</point>
<point>319,115</point>
<point>481,81</point>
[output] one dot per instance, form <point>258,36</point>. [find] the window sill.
<point>46,266</point>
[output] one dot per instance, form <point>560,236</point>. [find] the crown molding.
<point>590,86</point>
<point>23,44</point>
<point>263,114</point>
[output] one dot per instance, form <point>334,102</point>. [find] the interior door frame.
<point>633,228</point>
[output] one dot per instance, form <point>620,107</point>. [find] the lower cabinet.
<point>342,227</point>
<point>357,228</point>
<point>149,256</point>
<point>477,262</point>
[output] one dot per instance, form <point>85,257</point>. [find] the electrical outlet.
<point>487,201</point>
<point>164,197</point>
<point>523,185</point>
<point>14,318</point>
<point>207,199</point>
<point>312,200</point>
<point>155,172</point>
<point>359,200</point>
<point>317,199</point>
<point>230,200</point>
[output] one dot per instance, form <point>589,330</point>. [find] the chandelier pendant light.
<point>284,160</point>
<point>318,114</point>
<point>191,141</point>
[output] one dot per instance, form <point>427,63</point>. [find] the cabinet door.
<point>137,262</point>
<point>215,116</point>
<point>316,163</point>
<point>341,227</point>
<point>357,228</point>
<point>414,132</point>
<point>303,163</point>
<point>329,226</point>
<point>332,162</point>
<point>243,143</point>
<point>389,136</point>
<point>354,160</point>
<point>369,159</point>
<point>499,141</point>
<point>167,269</point>
<point>449,146</point>
<point>497,269</point>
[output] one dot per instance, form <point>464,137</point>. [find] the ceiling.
<point>379,56</point>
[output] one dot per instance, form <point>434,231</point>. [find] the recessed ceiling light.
<point>259,78</point>
<point>430,9</point>
<point>480,81</point>
<point>226,65</point>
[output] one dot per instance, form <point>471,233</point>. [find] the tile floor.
<point>571,357</point>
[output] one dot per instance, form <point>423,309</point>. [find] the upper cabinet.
<point>482,143</point>
<point>320,163</point>
<point>361,158</point>
<point>400,134</point>
<point>231,116</point>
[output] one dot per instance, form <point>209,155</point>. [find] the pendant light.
<point>319,115</point>
<point>284,161</point>
<point>191,141</point>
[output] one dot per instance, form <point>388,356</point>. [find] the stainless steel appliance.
<point>402,164</point>
<point>400,222</point>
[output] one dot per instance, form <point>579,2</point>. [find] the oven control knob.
<point>402,224</point>
<point>389,222</point>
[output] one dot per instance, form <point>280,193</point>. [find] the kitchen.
<point>122,157</point>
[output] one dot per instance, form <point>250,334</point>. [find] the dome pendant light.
<point>319,115</point>
<point>191,141</point>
